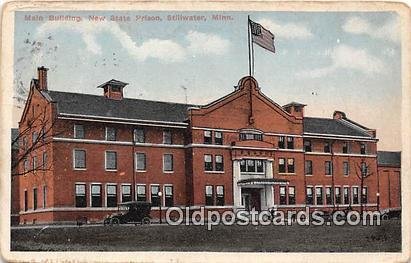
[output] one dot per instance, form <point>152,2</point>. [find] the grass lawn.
<point>295,238</point>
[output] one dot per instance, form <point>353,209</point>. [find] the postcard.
<point>203,131</point>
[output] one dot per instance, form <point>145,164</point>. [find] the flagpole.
<point>249,46</point>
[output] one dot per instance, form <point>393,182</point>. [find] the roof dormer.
<point>113,89</point>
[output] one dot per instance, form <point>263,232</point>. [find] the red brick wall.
<point>389,186</point>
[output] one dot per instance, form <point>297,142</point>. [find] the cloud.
<point>347,57</point>
<point>166,50</point>
<point>287,30</point>
<point>387,31</point>
<point>202,43</point>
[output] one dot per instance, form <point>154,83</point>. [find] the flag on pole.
<point>261,36</point>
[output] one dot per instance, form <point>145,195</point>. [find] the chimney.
<point>42,77</point>
<point>295,109</point>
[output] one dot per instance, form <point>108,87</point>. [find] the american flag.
<point>261,36</point>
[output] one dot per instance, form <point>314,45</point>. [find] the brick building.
<point>242,151</point>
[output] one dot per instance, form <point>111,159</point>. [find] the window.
<point>78,131</point>
<point>79,159</point>
<point>140,161</point>
<point>309,200</point>
<point>363,149</point>
<point>243,166</point>
<point>80,195</point>
<point>111,161</point>
<point>328,168</point>
<point>327,147</point>
<point>168,195</point>
<point>355,196</point>
<point>319,195</point>
<point>34,137</point>
<point>290,165</point>
<point>111,195</point>
<point>364,196</point>
<point>338,195</point>
<point>346,168</point>
<point>44,163</point>
<point>207,137</point>
<point>283,197</point>
<point>96,195</point>
<point>25,201</point>
<point>281,142</point>
<point>260,166</point>
<point>328,195</point>
<point>346,195</point>
<point>290,142</point>
<point>168,163</point>
<point>291,195</point>
<point>167,138</point>
<point>26,165</point>
<point>155,199</point>
<point>209,195</point>
<point>34,198</point>
<point>252,166</point>
<point>219,164</point>
<point>44,196</point>
<point>141,193</point>
<point>208,162</point>
<point>307,146</point>
<point>139,135</point>
<point>111,134</point>
<point>308,167</point>
<point>220,195</point>
<point>364,169</point>
<point>251,136</point>
<point>345,147</point>
<point>218,137</point>
<point>24,143</point>
<point>34,163</point>
<point>125,193</point>
<point>281,165</point>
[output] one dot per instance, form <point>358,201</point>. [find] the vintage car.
<point>133,212</point>
<point>391,213</point>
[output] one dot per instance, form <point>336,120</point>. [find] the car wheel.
<point>106,221</point>
<point>114,222</point>
<point>145,221</point>
<point>384,217</point>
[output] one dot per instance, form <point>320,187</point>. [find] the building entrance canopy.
<point>262,181</point>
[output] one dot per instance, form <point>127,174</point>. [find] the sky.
<point>347,61</point>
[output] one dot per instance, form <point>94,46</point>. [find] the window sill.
<point>80,169</point>
<point>308,175</point>
<point>328,175</point>
<point>110,170</point>
<point>141,171</point>
<point>168,172</point>
<point>287,173</point>
<point>214,172</point>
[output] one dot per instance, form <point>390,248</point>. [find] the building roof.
<point>14,136</point>
<point>332,126</point>
<point>385,158</point>
<point>137,109</point>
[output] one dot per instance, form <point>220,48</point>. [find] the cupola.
<point>113,89</point>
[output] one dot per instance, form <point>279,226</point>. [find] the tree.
<point>362,172</point>
<point>40,129</point>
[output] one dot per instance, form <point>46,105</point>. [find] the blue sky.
<point>348,61</point>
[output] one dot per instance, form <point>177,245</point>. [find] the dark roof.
<point>14,135</point>
<point>389,158</point>
<point>86,104</point>
<point>331,126</point>
<point>114,83</point>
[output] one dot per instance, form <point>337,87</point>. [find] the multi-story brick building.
<point>241,151</point>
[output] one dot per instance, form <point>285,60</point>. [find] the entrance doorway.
<point>251,198</point>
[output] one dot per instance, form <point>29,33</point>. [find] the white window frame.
<point>75,133</point>
<point>149,195</point>
<point>163,197</point>
<point>358,195</point>
<point>164,137</point>
<point>91,194</point>
<point>74,159</point>
<point>135,135</point>
<point>105,161</point>
<point>145,162</point>
<point>106,134</point>
<point>172,163</point>
<point>145,191</point>
<point>106,193</point>
<point>121,192</point>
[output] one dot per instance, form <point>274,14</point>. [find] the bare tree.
<point>363,172</point>
<point>40,129</point>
